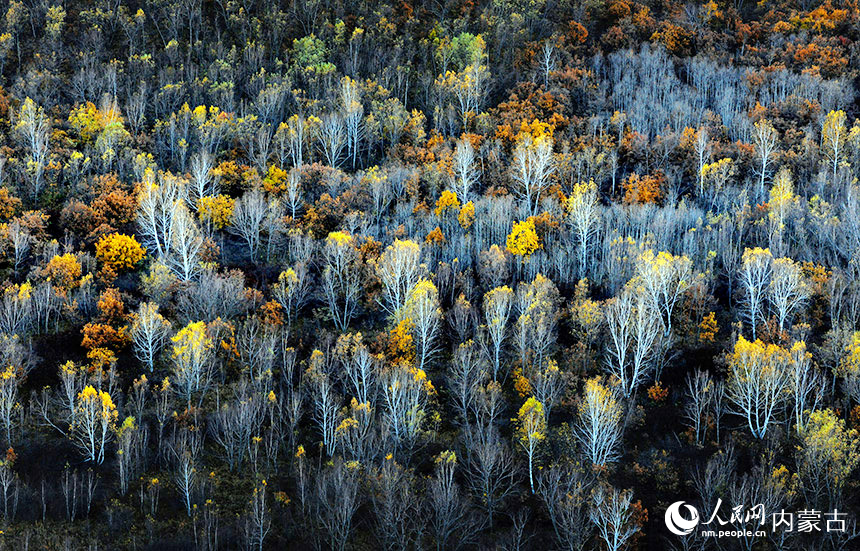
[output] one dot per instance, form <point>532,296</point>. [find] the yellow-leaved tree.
<point>192,367</point>
<point>523,240</point>
<point>94,423</point>
<point>531,431</point>
<point>118,251</point>
<point>828,454</point>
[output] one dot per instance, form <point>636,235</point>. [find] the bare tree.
<point>446,507</point>
<point>203,179</point>
<point>755,275</point>
<point>532,168</point>
<point>699,393</point>
<point>395,506</point>
<point>612,514</point>
<point>565,491</point>
<point>249,213</point>
<point>337,500</point>
<point>702,149</point>
<point>185,447</point>
<point>331,138</point>
<point>34,129</point>
<point>149,332</point>
<point>497,311</point>
<point>490,467</point>
<point>787,290</point>
<point>466,173</point>
<point>765,139</point>
<point>187,242</point>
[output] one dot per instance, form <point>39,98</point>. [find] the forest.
<point>441,274</point>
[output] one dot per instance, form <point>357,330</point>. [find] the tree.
<point>216,211</point>
<point>583,214</point>
<point>34,129</point>
<point>423,310</point>
<point>537,305</point>
<point>490,466</point>
<point>9,405</point>
<point>833,140</point>
<point>447,508</point>
<point>326,402</point>
<point>340,282</point>
<point>337,500</point>
<point>699,392</point>
<point>780,206</point>
<point>119,252</point>
<point>258,518</point>
<point>203,178</point>
<point>765,140</point>
<point>156,208</point>
<point>665,278</point>
<point>754,276</point>
<point>249,213</point>
<point>398,269</point>
<point>352,110</point>
<point>185,448</point>
<point>634,330</point>
<point>565,490</point>
<point>828,454</point>
<point>468,87</point>
<point>599,426</point>
<point>788,289</point>
<point>20,242</point>
<point>406,395</point>
<point>465,175</point>
<point>331,137</point>
<point>612,514</point>
<point>192,361</point>
<point>497,311</point>
<point>533,165</point>
<point>398,520</point>
<point>94,422</point>
<point>702,149</point>
<point>759,379</point>
<point>149,332</point>
<point>235,424</point>
<point>531,431</point>
<point>184,257</point>
<point>807,384</point>
<point>523,240</point>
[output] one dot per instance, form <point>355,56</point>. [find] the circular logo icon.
<point>679,525</point>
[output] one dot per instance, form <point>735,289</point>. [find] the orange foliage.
<point>644,189</point>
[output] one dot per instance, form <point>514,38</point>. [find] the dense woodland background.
<point>447,275</point>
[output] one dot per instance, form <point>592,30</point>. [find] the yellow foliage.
<point>829,448</point>
<point>467,215</point>
<point>217,210</point>
<point>708,328</point>
<point>531,421</point>
<point>401,344</point>
<point>447,202</point>
<point>119,251</point>
<point>192,342</point>
<point>521,384</point>
<point>523,239</point>
<point>63,271</point>
<point>436,237</point>
<point>275,181</point>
